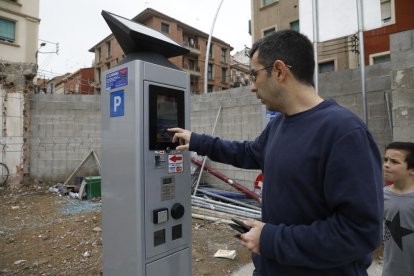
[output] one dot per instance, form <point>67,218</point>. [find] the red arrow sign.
<point>176,158</point>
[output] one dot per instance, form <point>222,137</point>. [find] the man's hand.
<point>182,136</point>
<point>251,239</point>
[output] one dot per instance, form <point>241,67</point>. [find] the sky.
<point>77,25</point>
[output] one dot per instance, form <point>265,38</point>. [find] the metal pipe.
<point>229,181</point>
<point>229,200</point>
<point>389,113</point>
<point>362,59</point>
<point>215,205</point>
<point>208,200</point>
<point>208,48</point>
<point>227,210</point>
<point>315,41</point>
<point>205,157</point>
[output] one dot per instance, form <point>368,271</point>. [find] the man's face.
<point>262,84</point>
<point>395,167</point>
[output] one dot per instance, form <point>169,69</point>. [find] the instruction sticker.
<point>175,163</point>
<point>117,79</point>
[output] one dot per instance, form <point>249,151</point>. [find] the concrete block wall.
<point>63,130</point>
<point>402,84</point>
<point>239,119</point>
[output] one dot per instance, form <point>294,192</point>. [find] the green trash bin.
<point>93,187</point>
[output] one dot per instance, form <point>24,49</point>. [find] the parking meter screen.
<point>166,111</point>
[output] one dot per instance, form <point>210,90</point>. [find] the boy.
<point>399,209</point>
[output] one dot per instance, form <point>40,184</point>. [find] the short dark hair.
<point>293,48</point>
<point>407,147</point>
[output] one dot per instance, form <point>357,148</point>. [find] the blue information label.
<point>117,103</point>
<point>117,79</point>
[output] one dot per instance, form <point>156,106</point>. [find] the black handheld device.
<point>239,226</point>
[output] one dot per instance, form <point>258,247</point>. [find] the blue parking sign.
<point>117,103</point>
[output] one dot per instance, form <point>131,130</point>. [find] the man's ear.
<point>280,69</point>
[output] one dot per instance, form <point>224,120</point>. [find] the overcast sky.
<point>77,25</point>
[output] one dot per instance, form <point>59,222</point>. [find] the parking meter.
<point>146,188</point>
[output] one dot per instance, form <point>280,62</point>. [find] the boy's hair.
<point>407,147</point>
<point>291,47</point>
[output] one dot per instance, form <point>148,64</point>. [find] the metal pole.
<point>389,113</point>
<point>362,59</point>
<point>208,48</point>
<point>218,203</point>
<point>205,157</point>
<point>315,41</point>
<point>238,202</point>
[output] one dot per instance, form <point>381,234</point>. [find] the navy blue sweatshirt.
<point>322,191</point>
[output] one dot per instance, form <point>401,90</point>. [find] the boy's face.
<point>395,167</point>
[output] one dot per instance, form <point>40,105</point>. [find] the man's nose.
<point>253,87</point>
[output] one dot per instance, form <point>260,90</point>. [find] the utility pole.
<point>208,48</point>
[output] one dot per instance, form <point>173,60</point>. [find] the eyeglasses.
<point>253,73</point>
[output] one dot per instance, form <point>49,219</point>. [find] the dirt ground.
<point>42,233</point>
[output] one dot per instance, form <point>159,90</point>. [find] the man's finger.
<point>182,147</point>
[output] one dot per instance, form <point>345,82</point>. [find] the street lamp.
<point>37,54</point>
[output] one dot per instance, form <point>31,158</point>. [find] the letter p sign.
<point>117,103</point>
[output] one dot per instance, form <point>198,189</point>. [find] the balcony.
<point>193,70</point>
<point>193,47</point>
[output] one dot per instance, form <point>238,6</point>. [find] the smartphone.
<point>239,226</point>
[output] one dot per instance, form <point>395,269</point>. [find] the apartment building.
<point>396,16</point>
<point>108,52</point>
<point>19,30</point>
<point>342,53</point>
<point>272,15</point>
<point>79,82</point>
<point>240,67</point>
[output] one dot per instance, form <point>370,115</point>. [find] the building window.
<point>191,65</point>
<point>7,30</point>
<point>387,12</point>
<point>269,31</point>
<point>294,25</point>
<point>224,55</point>
<point>165,28</point>
<point>108,49</point>
<point>210,72</point>
<point>191,42</point>
<point>379,58</point>
<point>268,2</point>
<point>224,75</point>
<point>99,54</point>
<point>98,74</point>
<point>328,66</point>
<point>210,88</point>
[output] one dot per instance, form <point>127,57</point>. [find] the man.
<point>322,193</point>
<point>399,209</point>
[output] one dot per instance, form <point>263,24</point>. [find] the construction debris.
<point>225,253</point>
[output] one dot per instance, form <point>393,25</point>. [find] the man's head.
<point>399,161</point>
<point>291,47</point>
